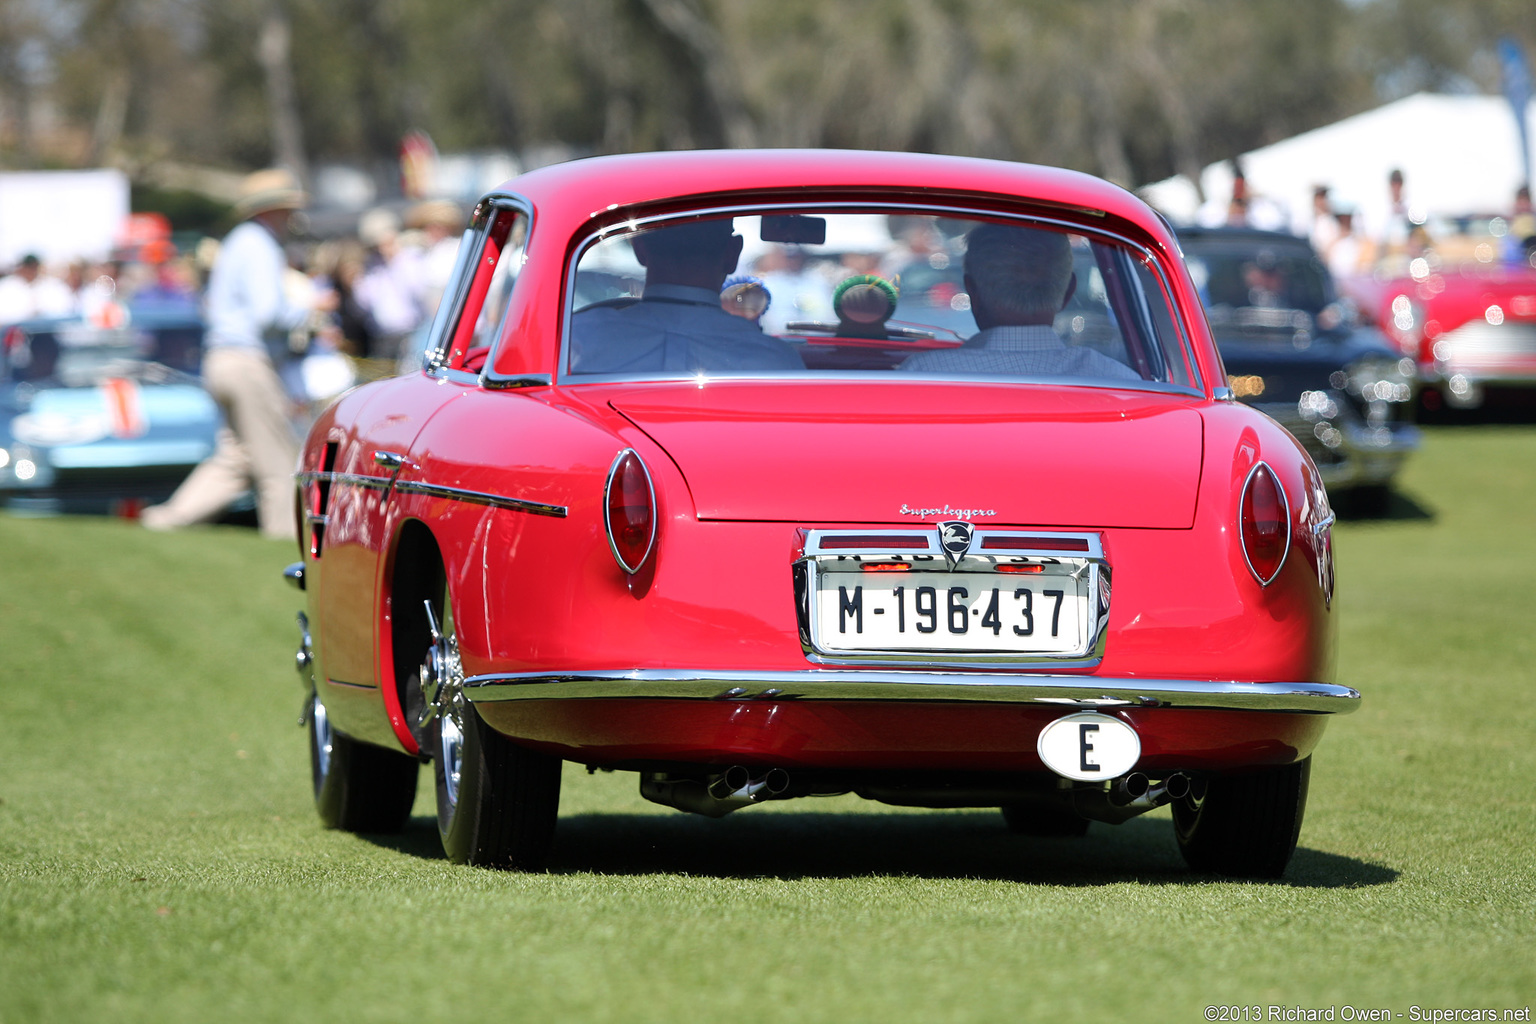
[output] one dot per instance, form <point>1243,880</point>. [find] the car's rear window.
<point>1259,277</point>
<point>914,294</point>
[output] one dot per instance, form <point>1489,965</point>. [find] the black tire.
<point>358,787</point>
<point>1044,821</point>
<point>497,802</point>
<point>1248,823</point>
<point>500,810</point>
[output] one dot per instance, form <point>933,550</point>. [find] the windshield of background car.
<point>909,294</point>
<point>1283,288</point>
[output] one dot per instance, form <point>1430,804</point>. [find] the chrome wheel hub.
<point>442,674</point>
<point>442,690</point>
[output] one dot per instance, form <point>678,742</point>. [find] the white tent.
<point>1458,154</point>
<point>61,215</point>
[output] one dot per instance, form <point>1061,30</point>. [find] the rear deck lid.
<point>824,452</point>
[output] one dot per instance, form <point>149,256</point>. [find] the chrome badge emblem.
<point>955,539</point>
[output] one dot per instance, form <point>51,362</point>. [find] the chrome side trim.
<point>390,460</point>
<point>379,483</point>
<point>1054,690</point>
<point>481,498</point>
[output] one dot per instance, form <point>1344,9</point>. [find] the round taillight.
<point>1264,523</point>
<point>630,504</point>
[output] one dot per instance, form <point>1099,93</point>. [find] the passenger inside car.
<point>677,323</point>
<point>1018,279</point>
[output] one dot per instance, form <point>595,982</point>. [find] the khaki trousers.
<point>256,445</point>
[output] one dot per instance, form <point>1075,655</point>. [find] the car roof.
<point>592,186</point>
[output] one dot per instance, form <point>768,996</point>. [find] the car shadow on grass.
<point>1373,505</point>
<point>792,845</point>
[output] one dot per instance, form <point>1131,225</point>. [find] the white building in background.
<point>1458,154</point>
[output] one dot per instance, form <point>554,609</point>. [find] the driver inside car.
<point>1018,280</point>
<point>677,323</point>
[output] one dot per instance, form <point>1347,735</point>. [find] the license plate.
<point>956,612</point>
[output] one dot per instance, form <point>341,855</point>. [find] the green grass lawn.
<point>160,859</point>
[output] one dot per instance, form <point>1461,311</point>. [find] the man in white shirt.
<point>1018,280</point>
<point>248,310</point>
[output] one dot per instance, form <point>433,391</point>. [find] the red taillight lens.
<point>1264,523</point>
<point>631,511</point>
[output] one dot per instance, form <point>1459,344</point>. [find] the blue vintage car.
<point>101,419</point>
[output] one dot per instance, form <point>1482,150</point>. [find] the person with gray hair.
<point>1018,279</point>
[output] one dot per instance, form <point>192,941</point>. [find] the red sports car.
<point>1468,325</point>
<point>684,491</point>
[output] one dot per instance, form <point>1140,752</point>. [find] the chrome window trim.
<point>974,561</point>
<point>379,483</point>
<point>451,306</point>
<point>563,376</point>
<point>650,542</point>
<point>488,377</point>
<point>1042,689</point>
<point>1285,500</point>
<point>1155,387</point>
<point>522,380</point>
<point>452,301</point>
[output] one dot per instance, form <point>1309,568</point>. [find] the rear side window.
<point>904,293</point>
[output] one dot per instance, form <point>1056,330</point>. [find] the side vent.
<point>320,499</point>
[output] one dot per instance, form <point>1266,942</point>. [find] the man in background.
<point>248,313</point>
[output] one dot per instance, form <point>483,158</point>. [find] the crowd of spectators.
<point>1355,239</point>
<point>290,321</point>
<point>387,275</point>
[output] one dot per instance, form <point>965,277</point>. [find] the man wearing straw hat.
<point>247,311</point>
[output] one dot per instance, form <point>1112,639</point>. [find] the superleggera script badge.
<point>954,513</point>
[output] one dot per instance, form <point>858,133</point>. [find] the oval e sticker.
<point>1089,747</point>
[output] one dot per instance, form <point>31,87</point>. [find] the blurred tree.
<point>1130,89</point>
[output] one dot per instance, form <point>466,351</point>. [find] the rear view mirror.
<point>793,229</point>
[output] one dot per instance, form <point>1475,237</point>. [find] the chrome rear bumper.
<point>964,687</point>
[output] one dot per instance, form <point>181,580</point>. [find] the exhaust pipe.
<point>737,783</point>
<point>715,795</point>
<point>1134,794</point>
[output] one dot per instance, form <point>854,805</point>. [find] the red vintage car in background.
<point>1466,316</point>
<point>626,518</point>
